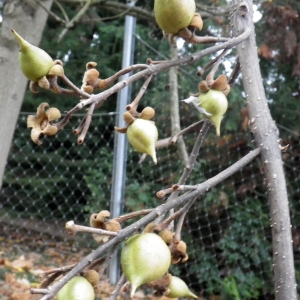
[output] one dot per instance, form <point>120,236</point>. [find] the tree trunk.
<point>265,134</point>
<point>28,19</point>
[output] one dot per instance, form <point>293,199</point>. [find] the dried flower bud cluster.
<point>41,123</point>
<point>177,247</point>
<point>102,221</point>
<point>91,80</point>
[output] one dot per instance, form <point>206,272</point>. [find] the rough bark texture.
<point>28,19</point>
<point>266,136</point>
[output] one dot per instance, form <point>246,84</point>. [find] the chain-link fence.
<point>227,230</point>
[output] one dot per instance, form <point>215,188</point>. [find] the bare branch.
<point>118,287</point>
<point>185,130</point>
<point>56,17</point>
<point>132,215</point>
<point>72,229</point>
<point>150,70</point>
<point>134,104</point>
<point>235,73</point>
<point>160,210</point>
<point>75,19</point>
<point>211,74</point>
<point>88,119</point>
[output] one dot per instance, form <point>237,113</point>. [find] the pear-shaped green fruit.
<point>144,258</point>
<point>34,62</point>
<point>78,288</point>
<point>214,104</point>
<point>174,15</point>
<point>142,135</point>
<point>178,288</point>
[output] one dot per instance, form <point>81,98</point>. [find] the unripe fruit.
<point>35,63</point>
<point>178,288</point>
<point>174,15</point>
<point>214,104</point>
<point>142,135</point>
<point>144,258</point>
<point>78,288</point>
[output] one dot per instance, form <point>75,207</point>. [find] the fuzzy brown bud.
<point>147,113</point>
<point>92,276</point>
<point>203,86</point>
<point>220,84</point>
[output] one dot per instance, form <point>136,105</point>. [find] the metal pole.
<point>120,142</point>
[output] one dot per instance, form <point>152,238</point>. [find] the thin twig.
<point>190,37</point>
<point>59,270</point>
<point>184,131</point>
<point>132,215</point>
<point>235,73</point>
<point>179,224</point>
<point>62,11</point>
<point>88,119</point>
<point>174,188</point>
<point>150,70</point>
<point>168,221</point>
<point>116,291</point>
<point>108,258</point>
<point>77,130</point>
<point>75,19</point>
<point>56,17</point>
<point>75,88</point>
<point>39,291</point>
<point>134,104</point>
<point>72,229</point>
<point>191,163</point>
<point>160,210</point>
<point>211,74</point>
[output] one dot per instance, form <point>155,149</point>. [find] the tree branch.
<point>160,210</point>
<point>150,70</point>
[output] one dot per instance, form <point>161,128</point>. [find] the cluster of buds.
<point>102,221</point>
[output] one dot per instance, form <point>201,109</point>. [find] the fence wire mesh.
<point>227,231</point>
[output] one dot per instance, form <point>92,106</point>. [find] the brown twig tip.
<point>70,227</point>
<point>80,141</point>
<point>175,187</point>
<point>160,194</point>
<point>200,72</point>
<point>149,61</point>
<point>91,65</point>
<point>76,131</point>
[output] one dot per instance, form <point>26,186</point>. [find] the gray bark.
<point>28,19</point>
<point>266,136</point>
